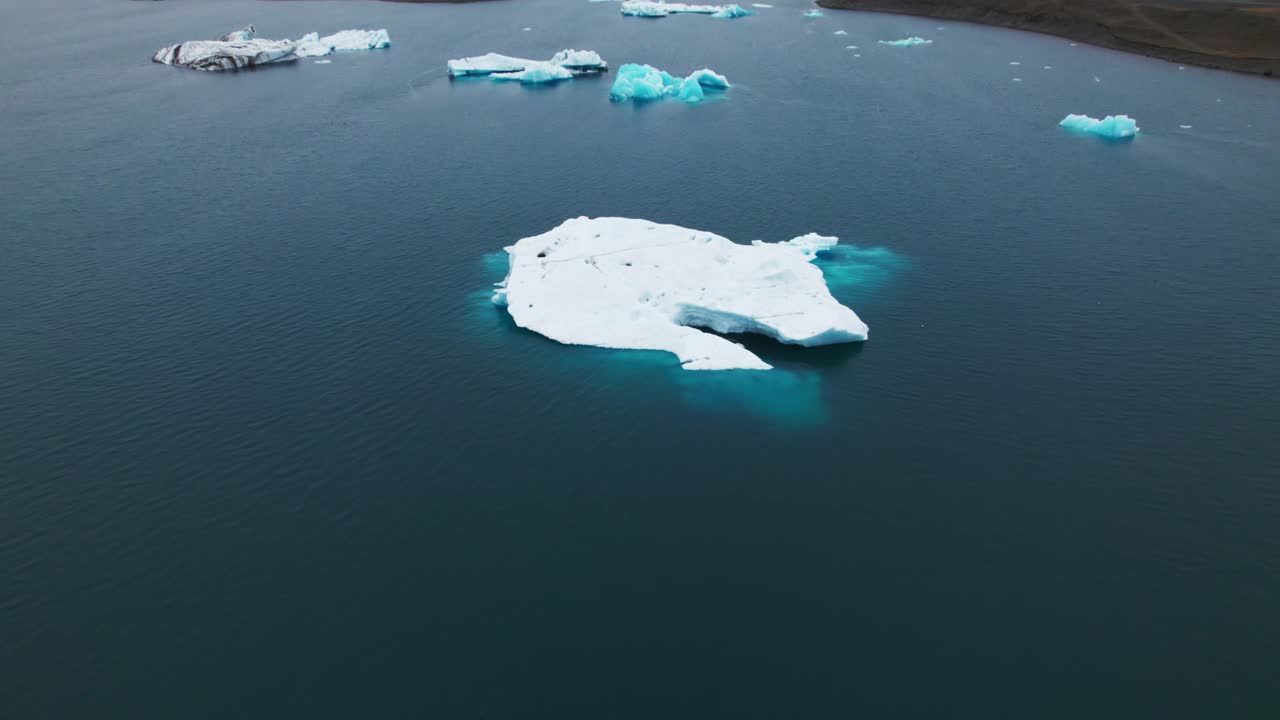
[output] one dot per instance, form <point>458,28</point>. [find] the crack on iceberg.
<point>645,286</point>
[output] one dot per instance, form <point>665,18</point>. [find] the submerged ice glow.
<point>633,284</point>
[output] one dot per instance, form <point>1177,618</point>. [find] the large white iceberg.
<point>645,82</point>
<point>312,45</point>
<point>575,61</point>
<point>239,49</point>
<point>1112,127</point>
<point>638,285</point>
<point>656,8</point>
<point>906,42</point>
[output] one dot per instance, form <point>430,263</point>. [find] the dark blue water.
<point>266,451</point>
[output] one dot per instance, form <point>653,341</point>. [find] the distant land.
<point>1230,35</point>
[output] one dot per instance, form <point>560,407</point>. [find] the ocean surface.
<point>267,450</point>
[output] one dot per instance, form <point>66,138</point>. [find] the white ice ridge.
<point>637,285</point>
<point>1113,127</point>
<point>575,61</point>
<point>312,45</point>
<point>657,8</point>
<point>232,51</point>
<point>907,42</point>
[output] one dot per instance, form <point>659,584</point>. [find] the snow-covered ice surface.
<point>906,42</point>
<point>235,50</point>
<point>633,284</point>
<point>577,61</point>
<point>543,72</point>
<point>312,45</point>
<point>1112,127</point>
<point>645,82</point>
<point>657,8</point>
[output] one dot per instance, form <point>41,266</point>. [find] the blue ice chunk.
<point>815,13</point>
<point>732,11</point>
<point>1112,127</point>
<point>906,42</point>
<point>645,82</point>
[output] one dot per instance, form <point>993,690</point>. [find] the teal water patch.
<point>851,271</point>
<point>791,396</point>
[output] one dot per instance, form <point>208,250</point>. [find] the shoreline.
<point>1235,36</point>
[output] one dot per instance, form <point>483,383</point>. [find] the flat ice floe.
<point>657,8</point>
<point>575,61</point>
<point>645,82</point>
<point>1112,127</point>
<point>906,42</point>
<point>312,45</point>
<point>637,285</point>
<point>239,49</point>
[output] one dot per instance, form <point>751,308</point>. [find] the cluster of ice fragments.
<point>657,8</point>
<point>633,284</point>
<point>1112,127</point>
<point>906,42</point>
<point>645,82</point>
<point>241,49</point>
<point>312,45</point>
<point>562,66</point>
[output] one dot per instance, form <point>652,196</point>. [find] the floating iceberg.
<point>657,8</point>
<point>540,72</point>
<point>645,82</point>
<point>239,49</point>
<point>840,32</point>
<point>575,61</point>
<point>1113,127</point>
<point>760,5</point>
<point>633,284</point>
<point>906,42</point>
<point>312,45</point>
<point>815,13</point>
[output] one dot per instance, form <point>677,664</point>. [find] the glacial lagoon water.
<point>266,450</point>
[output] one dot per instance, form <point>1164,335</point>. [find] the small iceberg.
<point>575,61</point>
<point>233,51</point>
<point>657,8</point>
<point>645,82</point>
<point>637,285</point>
<point>1185,127</point>
<point>312,45</point>
<point>906,42</point>
<point>1015,62</point>
<point>760,5</point>
<point>1112,127</point>
<point>814,13</point>
<point>841,32</point>
<point>541,72</point>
